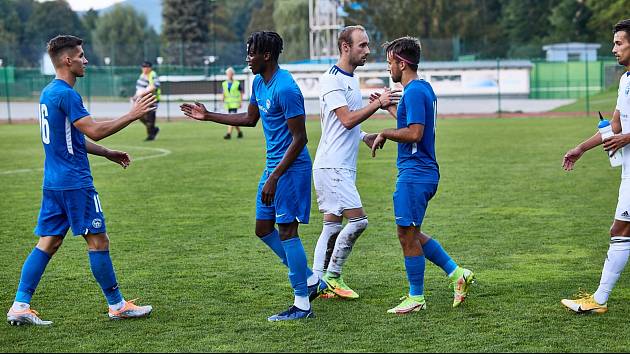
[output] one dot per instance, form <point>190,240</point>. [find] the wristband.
<point>363,134</point>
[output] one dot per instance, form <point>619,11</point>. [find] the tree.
<point>121,34</point>
<point>568,21</point>
<point>291,22</point>
<point>41,27</point>
<point>606,13</point>
<point>261,18</point>
<point>185,30</point>
<point>525,24</point>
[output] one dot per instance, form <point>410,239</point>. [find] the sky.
<point>84,5</point>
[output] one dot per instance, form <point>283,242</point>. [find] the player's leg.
<point>461,278</point>
<point>616,259</point>
<point>88,220</point>
<point>414,266</point>
<point>268,234</point>
<point>410,203</point>
<point>357,223</point>
<point>292,204</point>
<point>328,204</point>
<point>52,220</point>
<point>326,243</point>
<point>33,268</point>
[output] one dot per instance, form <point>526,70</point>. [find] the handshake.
<point>387,98</point>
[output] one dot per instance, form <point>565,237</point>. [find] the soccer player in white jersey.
<point>619,248</point>
<point>69,198</point>
<point>334,169</point>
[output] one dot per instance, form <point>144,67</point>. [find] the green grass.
<point>604,101</point>
<point>182,239</point>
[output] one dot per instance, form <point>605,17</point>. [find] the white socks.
<point>330,229</point>
<point>312,280</point>
<point>20,306</point>
<point>302,303</point>
<point>616,260</point>
<point>345,241</point>
<point>118,306</point>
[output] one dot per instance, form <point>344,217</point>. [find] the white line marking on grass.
<point>160,153</point>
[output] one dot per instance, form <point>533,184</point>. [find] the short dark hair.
<point>265,41</point>
<point>623,25</point>
<point>146,64</point>
<point>62,43</point>
<point>405,49</point>
<point>346,35</point>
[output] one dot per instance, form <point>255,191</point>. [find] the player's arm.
<point>119,157</point>
<point>393,107</point>
<point>245,119</point>
<point>99,130</point>
<point>368,138</point>
<point>351,119</point>
<point>613,143</point>
<point>411,134</point>
<point>297,128</point>
<point>619,140</point>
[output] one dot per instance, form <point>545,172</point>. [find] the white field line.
<point>159,153</point>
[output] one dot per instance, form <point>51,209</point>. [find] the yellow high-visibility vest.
<point>158,90</point>
<point>232,97</point>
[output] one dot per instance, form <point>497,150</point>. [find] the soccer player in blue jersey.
<point>69,198</point>
<point>284,191</point>
<point>418,175</point>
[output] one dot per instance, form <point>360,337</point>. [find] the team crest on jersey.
<point>97,223</point>
<point>268,103</point>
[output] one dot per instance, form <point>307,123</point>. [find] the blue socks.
<point>273,241</point>
<point>103,270</point>
<point>434,252</point>
<point>414,266</point>
<point>32,272</point>
<point>296,259</point>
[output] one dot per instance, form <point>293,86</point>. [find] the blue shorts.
<point>292,200</point>
<point>411,201</point>
<point>79,209</point>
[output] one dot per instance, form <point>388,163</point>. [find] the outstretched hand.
<point>143,104</point>
<point>195,111</point>
<point>119,157</point>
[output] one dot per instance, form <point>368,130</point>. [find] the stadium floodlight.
<point>107,60</point>
<point>159,60</point>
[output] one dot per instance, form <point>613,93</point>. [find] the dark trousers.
<point>149,121</point>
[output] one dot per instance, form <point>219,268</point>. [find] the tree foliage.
<point>121,34</point>
<point>185,30</point>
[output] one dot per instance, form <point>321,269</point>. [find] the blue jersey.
<point>66,165</point>
<point>416,161</point>
<point>278,100</point>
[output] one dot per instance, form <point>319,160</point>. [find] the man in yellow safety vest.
<point>232,99</point>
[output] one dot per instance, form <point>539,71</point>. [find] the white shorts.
<point>336,190</point>
<point>623,204</point>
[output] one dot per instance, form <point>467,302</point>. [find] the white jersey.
<point>338,147</point>
<point>623,106</point>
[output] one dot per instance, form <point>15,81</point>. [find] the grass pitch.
<point>181,226</point>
